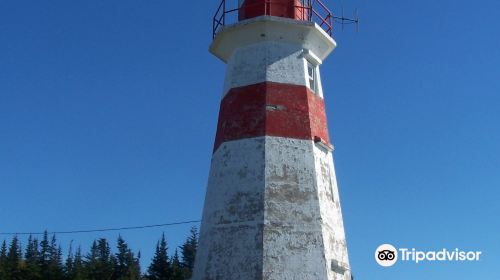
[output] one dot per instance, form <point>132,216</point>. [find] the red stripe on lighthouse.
<point>271,109</point>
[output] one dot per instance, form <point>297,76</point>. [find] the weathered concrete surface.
<point>293,243</point>
<point>272,209</point>
<point>271,212</point>
<point>331,215</point>
<point>277,62</point>
<point>231,233</point>
<point>265,61</point>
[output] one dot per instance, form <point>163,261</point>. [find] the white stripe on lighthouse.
<point>232,225</point>
<point>275,193</point>
<point>331,213</point>
<point>268,62</point>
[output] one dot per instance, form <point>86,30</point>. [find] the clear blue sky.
<point>108,112</point>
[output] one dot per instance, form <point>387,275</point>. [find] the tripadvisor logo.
<point>387,255</point>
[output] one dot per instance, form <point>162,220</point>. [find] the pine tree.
<point>44,257</point>
<point>100,263</point>
<point>91,262</point>
<point>13,261</point>
<point>189,253</point>
<point>69,266</point>
<point>32,269</point>
<point>78,272</point>
<point>160,268</point>
<point>127,266</point>
<point>51,259</point>
<point>3,260</point>
<point>177,273</point>
<point>3,251</point>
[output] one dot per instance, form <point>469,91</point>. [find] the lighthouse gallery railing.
<point>311,10</point>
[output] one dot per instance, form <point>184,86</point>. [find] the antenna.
<point>342,15</point>
<point>356,15</point>
<point>343,20</point>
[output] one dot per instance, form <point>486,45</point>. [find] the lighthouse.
<point>272,208</point>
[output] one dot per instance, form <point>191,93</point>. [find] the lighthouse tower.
<point>272,208</point>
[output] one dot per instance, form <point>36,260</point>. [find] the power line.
<point>101,230</point>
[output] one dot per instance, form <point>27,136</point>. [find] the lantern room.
<point>294,9</point>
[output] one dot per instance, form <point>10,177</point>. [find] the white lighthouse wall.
<point>271,212</point>
<point>331,215</point>
<point>267,62</point>
<point>231,232</point>
<point>293,241</point>
<point>303,232</point>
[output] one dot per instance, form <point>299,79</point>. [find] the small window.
<point>311,76</point>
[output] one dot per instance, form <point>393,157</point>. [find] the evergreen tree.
<point>91,260</point>
<point>32,269</point>
<point>3,260</point>
<point>13,261</point>
<point>189,253</point>
<point>69,266</point>
<point>44,257</point>
<point>100,263</point>
<point>78,271</point>
<point>44,261</point>
<point>127,266</point>
<point>51,263</point>
<point>160,268</point>
<point>177,273</point>
<point>3,251</point>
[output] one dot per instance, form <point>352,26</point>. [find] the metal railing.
<point>310,10</point>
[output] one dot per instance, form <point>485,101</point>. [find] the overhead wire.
<point>102,229</point>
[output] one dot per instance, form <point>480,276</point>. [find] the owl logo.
<point>386,255</point>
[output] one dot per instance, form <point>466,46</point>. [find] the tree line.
<point>43,260</point>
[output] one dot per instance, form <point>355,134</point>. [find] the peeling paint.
<point>272,208</point>
<point>278,221</point>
